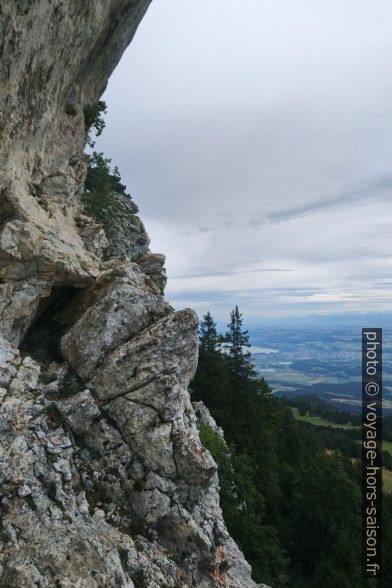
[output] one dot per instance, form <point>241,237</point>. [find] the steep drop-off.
<point>104,481</point>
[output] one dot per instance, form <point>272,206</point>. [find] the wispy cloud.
<point>232,272</point>
<point>371,191</point>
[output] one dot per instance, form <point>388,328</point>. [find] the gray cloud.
<point>381,187</point>
<point>255,136</point>
<point>232,272</point>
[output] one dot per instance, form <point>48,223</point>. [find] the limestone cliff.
<point>104,481</point>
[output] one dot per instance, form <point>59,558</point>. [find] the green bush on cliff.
<point>101,182</point>
<point>94,122</point>
<point>100,177</point>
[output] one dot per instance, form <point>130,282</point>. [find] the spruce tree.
<point>210,341</point>
<point>236,342</point>
<point>210,381</point>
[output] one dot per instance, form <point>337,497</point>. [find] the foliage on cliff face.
<point>290,493</point>
<point>243,508</point>
<point>105,199</point>
<point>94,123</point>
<point>101,183</point>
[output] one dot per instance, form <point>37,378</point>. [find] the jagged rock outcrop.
<point>204,416</point>
<point>123,228</point>
<point>104,481</point>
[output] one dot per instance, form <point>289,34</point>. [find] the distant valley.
<point>323,361</point>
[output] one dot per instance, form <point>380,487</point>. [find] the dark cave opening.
<point>55,315</point>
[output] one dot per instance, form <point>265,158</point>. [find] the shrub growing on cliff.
<point>100,177</point>
<point>94,122</point>
<point>105,200</point>
<point>101,182</point>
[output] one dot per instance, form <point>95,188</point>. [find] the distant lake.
<point>264,350</point>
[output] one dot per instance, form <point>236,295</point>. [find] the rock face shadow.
<point>54,316</point>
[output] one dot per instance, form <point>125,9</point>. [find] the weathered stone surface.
<point>82,499</point>
<point>9,360</point>
<point>149,437</point>
<point>79,411</point>
<point>45,83</point>
<point>194,463</point>
<point>106,484</point>
<point>168,347</point>
<point>120,312</point>
<point>92,234</point>
<point>19,303</point>
<point>126,236</point>
<point>151,505</point>
<point>203,415</point>
<point>153,265</point>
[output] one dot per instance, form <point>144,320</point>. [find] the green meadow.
<point>319,421</point>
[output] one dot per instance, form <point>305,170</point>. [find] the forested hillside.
<point>290,491</point>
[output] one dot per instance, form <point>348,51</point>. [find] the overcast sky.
<point>256,138</point>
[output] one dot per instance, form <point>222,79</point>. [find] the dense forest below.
<point>290,491</point>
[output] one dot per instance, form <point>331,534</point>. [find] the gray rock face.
<point>169,347</point>
<point>123,307</point>
<point>79,413</point>
<point>152,264</point>
<point>46,80</point>
<point>104,480</point>
<point>203,415</point>
<point>127,237</point>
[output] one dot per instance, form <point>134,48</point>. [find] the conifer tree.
<point>279,474</point>
<point>210,341</point>
<point>210,382</point>
<point>236,342</point>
